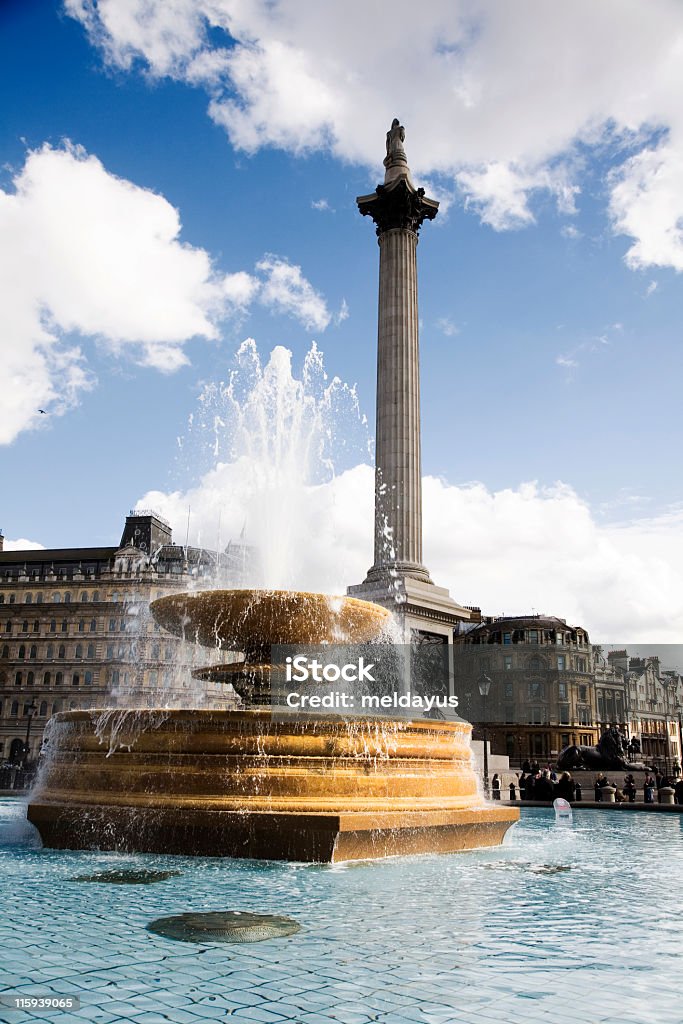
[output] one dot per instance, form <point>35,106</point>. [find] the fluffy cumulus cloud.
<point>22,544</point>
<point>499,98</point>
<point>511,551</point>
<point>85,254</point>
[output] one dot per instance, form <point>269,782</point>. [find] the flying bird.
<point>43,412</point>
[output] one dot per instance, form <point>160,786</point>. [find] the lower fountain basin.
<point>239,784</point>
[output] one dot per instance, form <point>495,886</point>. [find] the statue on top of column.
<point>396,162</point>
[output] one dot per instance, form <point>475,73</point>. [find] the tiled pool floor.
<point>475,938</point>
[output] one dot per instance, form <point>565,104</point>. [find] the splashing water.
<point>267,445</point>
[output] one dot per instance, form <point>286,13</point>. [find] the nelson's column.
<point>398,579</point>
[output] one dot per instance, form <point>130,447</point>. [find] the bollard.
<point>608,794</point>
<point>666,795</point>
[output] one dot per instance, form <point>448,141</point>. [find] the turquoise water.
<point>498,935</point>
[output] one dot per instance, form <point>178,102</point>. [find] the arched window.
<point>30,679</point>
<point>81,626</point>
<point>50,652</point>
<point>115,596</point>
<point>19,678</point>
<point>39,599</point>
<point>84,597</point>
<point>36,626</point>
<point>65,626</point>
<point>5,651</point>
<point>61,653</point>
<point>15,709</point>
<point>96,597</point>
<point>91,650</point>
<point>8,626</point>
<point>75,679</point>
<point>24,628</point>
<point>93,625</point>
<point>56,598</point>
<point>88,678</point>
<point>67,598</point>
<point>53,626</point>
<point>79,651</point>
<point>22,653</point>
<point>59,679</point>
<point>28,599</point>
<point>12,598</point>
<point>33,653</point>
<point>2,598</point>
<point>42,711</point>
<point>46,679</point>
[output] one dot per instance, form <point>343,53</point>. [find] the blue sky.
<point>550,284</point>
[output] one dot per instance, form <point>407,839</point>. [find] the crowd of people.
<point>544,785</point>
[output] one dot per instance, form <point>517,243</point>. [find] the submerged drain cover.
<point>126,877</point>
<point>224,926</point>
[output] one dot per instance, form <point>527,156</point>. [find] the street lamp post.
<point>484,683</point>
<point>30,712</point>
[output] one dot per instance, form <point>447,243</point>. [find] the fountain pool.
<point>491,935</point>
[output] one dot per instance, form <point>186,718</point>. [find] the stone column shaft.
<point>398,500</point>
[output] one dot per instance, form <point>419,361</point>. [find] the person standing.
<point>649,788</point>
<point>630,788</point>
<point>495,787</point>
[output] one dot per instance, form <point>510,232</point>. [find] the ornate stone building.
<point>653,702</point>
<point>542,694</point>
<point>75,628</point>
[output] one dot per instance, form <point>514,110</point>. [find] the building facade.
<point>76,631</point>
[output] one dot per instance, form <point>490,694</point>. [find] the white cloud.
<point>286,290</point>
<point>322,205</point>
<point>520,89</point>
<point>84,253</point>
<point>570,231</point>
<point>508,551</point>
<point>87,255</point>
<point>447,327</point>
<point>651,289</point>
<point>22,545</point>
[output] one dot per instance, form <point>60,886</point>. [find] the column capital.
<point>398,206</point>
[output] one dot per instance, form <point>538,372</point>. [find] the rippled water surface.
<point>579,923</point>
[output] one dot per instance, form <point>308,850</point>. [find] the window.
<point>65,626</point>
<point>112,625</point>
<point>8,626</point>
<point>5,651</point>
<point>168,653</point>
<point>61,653</point>
<point>67,599</point>
<point>115,676</point>
<point>156,653</point>
<point>507,661</point>
<point>84,597</point>
<point>507,638</point>
<point>561,663</point>
<point>59,679</point>
<point>564,740</point>
<point>533,636</point>
<point>56,707</point>
<point>50,652</point>
<point>123,625</point>
<point>91,650</point>
<point>536,691</point>
<point>36,626</point>
<point>53,626</point>
<point>110,652</point>
<point>33,653</point>
<point>581,664</point>
<point>154,678</point>
<point>39,599</point>
<point>15,709</point>
<point>2,598</point>
<point>81,626</point>
<point>93,625</point>
<point>75,679</point>
<point>42,710</point>
<point>28,599</point>
<point>535,716</point>
<point>79,651</point>
<point>19,678</point>
<point>22,652</point>
<point>583,693</point>
<point>509,714</point>
<point>56,598</point>
<point>562,691</point>
<point>46,679</point>
<point>96,597</point>
<point>585,716</point>
<point>564,714</point>
<point>24,628</point>
<point>88,678</point>
<point>30,679</point>
<point>12,598</point>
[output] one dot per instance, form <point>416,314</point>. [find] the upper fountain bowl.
<point>250,620</point>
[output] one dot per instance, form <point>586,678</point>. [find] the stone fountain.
<point>251,783</point>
